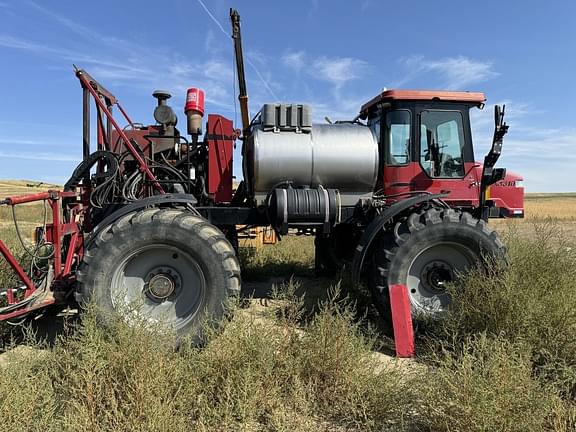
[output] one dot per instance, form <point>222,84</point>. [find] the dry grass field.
<point>556,206</point>
<point>15,187</point>
<point>309,354</point>
<point>29,214</point>
<point>540,210</point>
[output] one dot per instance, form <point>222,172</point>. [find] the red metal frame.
<point>97,91</point>
<point>56,232</point>
<point>66,236</point>
<point>30,287</point>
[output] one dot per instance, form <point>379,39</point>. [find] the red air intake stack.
<point>194,110</point>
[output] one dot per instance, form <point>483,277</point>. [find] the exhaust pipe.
<point>243,95</point>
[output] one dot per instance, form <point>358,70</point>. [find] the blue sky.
<point>334,55</point>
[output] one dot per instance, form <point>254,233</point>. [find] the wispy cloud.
<point>9,41</point>
<point>334,70</point>
<point>338,70</point>
<point>20,142</point>
<point>312,73</point>
<point>294,60</point>
<point>214,44</point>
<point>40,156</point>
<point>544,158</point>
<point>62,53</point>
<point>266,82</point>
<point>314,6</point>
<point>531,151</point>
<point>516,115</point>
<point>450,72</point>
<point>83,31</point>
<point>260,63</point>
<point>127,62</point>
<point>68,23</point>
<point>541,145</point>
<point>35,142</point>
<point>142,70</point>
<point>366,4</point>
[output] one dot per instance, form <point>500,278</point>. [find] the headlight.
<point>519,183</point>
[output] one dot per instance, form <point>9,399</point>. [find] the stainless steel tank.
<point>339,156</point>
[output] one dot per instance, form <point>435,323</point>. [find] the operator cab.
<point>426,143</point>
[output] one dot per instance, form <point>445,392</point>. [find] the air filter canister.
<point>194,110</point>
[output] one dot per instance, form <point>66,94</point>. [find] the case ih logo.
<point>505,183</point>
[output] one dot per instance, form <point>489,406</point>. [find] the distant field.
<point>558,206</point>
<point>28,214</point>
<point>15,187</point>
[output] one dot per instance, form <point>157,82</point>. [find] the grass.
<point>510,340</point>
<point>556,206</point>
<point>8,236</point>
<point>258,375</point>
<point>489,385</point>
<point>503,359</point>
<point>532,303</point>
<point>276,372</point>
<point>28,215</point>
<point>292,256</point>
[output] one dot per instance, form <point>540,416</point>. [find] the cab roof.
<point>425,95</point>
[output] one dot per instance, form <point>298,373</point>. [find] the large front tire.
<point>169,266</point>
<point>427,250</point>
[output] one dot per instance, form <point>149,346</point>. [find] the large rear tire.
<point>169,266</point>
<point>427,250</point>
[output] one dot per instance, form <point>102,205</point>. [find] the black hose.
<point>33,254</point>
<point>84,167</point>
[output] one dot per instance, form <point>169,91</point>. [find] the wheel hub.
<point>431,270</point>
<point>161,284</point>
<point>436,274</point>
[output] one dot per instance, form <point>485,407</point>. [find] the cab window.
<point>397,135</point>
<point>374,125</point>
<point>442,143</point>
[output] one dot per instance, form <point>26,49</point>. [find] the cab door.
<point>445,156</point>
<point>399,170</point>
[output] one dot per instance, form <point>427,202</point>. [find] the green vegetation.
<point>291,256</point>
<point>28,215</point>
<point>262,373</point>
<point>8,236</point>
<point>502,360</point>
<point>531,304</point>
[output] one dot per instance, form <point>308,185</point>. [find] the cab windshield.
<point>442,143</point>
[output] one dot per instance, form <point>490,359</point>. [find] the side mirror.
<point>497,175</point>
